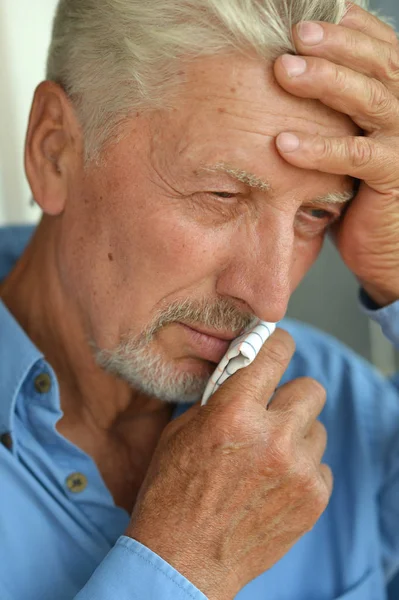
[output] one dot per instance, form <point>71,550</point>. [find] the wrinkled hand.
<point>233,485</point>
<point>354,69</point>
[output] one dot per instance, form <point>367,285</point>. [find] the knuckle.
<point>327,479</point>
<point>311,387</point>
<point>349,40</point>
<point>393,38</point>
<point>340,79</point>
<point>280,458</point>
<point>312,489</point>
<point>359,151</point>
<point>305,479</point>
<point>319,505</point>
<point>324,149</point>
<point>321,431</point>
<point>301,394</point>
<point>236,416</point>
<point>391,65</point>
<point>321,497</point>
<point>280,348</point>
<point>380,101</point>
<point>317,437</point>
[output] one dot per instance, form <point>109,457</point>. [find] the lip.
<point>226,336</point>
<point>207,346</point>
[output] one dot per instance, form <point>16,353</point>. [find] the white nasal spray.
<point>241,353</point>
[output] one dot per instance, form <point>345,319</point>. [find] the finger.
<point>367,101</point>
<point>258,381</point>
<point>369,24</point>
<point>316,441</point>
<point>298,403</point>
<point>359,157</point>
<point>349,48</point>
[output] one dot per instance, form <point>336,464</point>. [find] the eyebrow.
<point>245,177</point>
<point>255,182</point>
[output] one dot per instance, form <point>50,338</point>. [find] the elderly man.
<point>189,165</point>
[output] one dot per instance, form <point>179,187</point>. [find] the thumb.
<point>259,380</point>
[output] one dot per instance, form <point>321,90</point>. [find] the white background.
<point>25,28</point>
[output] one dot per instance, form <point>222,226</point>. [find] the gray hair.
<point>113,57</point>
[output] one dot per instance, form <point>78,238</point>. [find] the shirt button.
<point>43,383</point>
<point>6,440</point>
<point>76,483</point>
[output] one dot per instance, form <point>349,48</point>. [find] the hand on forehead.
<point>353,68</point>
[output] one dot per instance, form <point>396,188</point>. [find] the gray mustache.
<point>216,314</point>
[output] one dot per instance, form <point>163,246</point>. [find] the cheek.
<point>137,265</point>
<point>160,260</point>
<point>305,255</point>
<point>169,254</point>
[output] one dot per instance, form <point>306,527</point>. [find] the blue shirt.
<point>61,535</point>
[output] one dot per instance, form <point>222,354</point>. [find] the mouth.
<point>226,336</point>
<point>208,344</point>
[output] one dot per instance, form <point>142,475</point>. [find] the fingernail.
<point>288,142</point>
<point>310,33</point>
<point>294,65</point>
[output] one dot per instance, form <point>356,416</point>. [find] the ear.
<point>54,147</point>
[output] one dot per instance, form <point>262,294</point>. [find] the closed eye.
<point>313,221</point>
<point>319,213</point>
<point>225,195</point>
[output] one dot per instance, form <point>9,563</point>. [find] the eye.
<point>319,213</point>
<point>312,221</point>
<point>225,195</point>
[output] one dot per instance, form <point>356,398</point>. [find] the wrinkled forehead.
<point>230,110</point>
<point>240,94</point>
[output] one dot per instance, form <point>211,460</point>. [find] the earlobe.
<point>49,149</point>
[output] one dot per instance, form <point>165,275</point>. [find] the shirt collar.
<point>180,409</point>
<point>18,355</point>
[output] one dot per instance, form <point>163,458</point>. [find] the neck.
<point>90,399</point>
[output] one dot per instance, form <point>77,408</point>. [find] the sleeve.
<point>131,571</point>
<point>388,319</point>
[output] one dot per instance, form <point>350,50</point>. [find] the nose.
<point>259,272</point>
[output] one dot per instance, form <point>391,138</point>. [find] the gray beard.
<point>151,374</point>
<point>137,362</point>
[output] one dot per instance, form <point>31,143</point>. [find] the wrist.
<point>197,569</point>
<point>382,298</point>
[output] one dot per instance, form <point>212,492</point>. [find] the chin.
<point>171,384</point>
<point>176,382</point>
